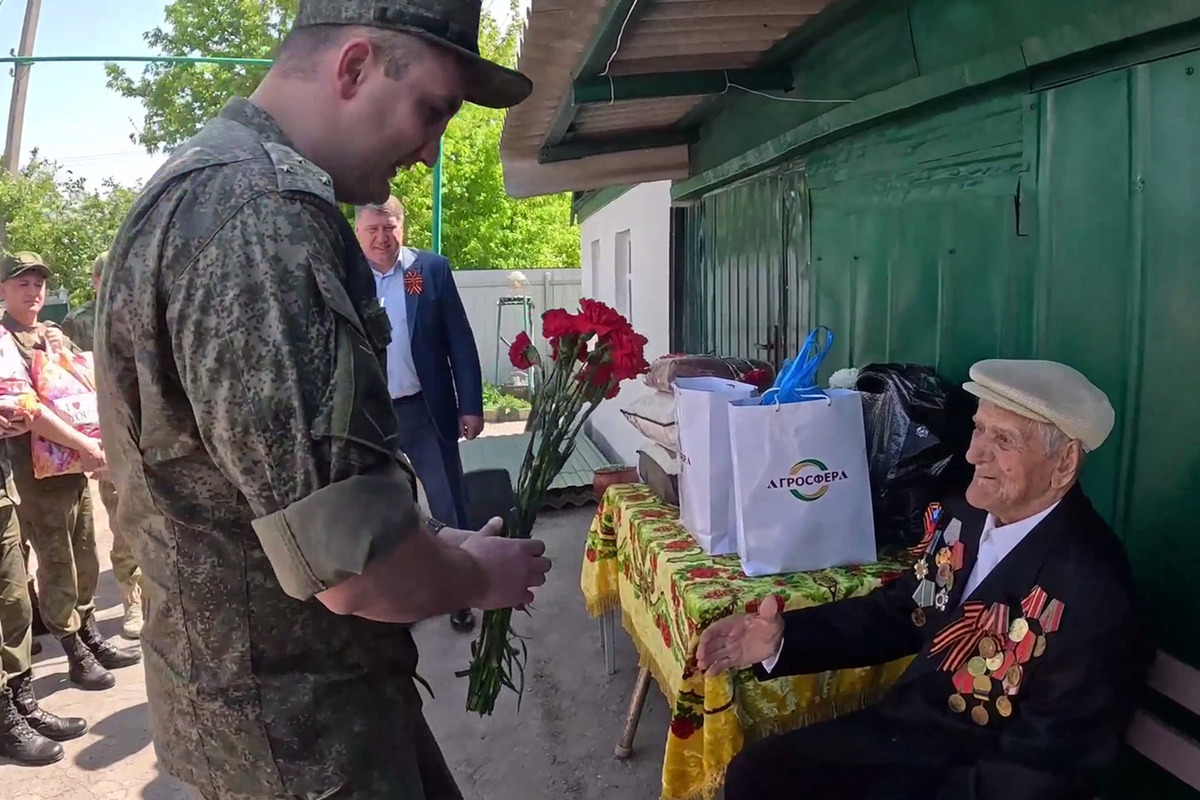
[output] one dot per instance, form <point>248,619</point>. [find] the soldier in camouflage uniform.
<point>28,734</point>
<point>56,512</point>
<point>243,400</point>
<point>80,326</point>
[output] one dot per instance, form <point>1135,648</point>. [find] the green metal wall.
<point>1063,224</point>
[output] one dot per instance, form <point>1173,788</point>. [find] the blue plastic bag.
<point>797,381</point>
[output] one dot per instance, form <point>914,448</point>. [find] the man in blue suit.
<point>433,365</point>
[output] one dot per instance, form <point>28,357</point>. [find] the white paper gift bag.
<point>801,489</point>
<point>705,463</point>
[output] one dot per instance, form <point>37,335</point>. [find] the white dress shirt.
<point>995,543</point>
<point>389,288</point>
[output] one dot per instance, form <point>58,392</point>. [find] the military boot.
<point>52,726</point>
<point>109,657</point>
<point>21,743</point>
<point>84,670</point>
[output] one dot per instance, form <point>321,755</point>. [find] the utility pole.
<point>16,110</point>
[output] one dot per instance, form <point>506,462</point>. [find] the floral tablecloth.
<point>640,559</point>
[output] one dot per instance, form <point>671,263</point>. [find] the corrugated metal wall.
<point>1061,225</point>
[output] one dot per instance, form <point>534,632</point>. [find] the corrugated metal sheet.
<point>1060,225</point>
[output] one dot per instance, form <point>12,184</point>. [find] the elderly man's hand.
<point>470,427</point>
<point>741,640</point>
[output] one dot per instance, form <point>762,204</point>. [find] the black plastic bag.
<point>918,428</point>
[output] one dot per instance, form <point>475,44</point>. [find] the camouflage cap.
<point>448,23</point>
<point>20,263</point>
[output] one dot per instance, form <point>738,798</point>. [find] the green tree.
<point>60,218</point>
<point>482,227</point>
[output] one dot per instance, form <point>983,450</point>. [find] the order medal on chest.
<point>986,649</point>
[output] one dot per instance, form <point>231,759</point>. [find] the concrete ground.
<point>559,745</point>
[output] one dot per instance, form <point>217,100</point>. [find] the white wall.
<point>645,213</point>
<point>481,289</point>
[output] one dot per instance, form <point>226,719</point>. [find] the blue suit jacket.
<point>443,346</point>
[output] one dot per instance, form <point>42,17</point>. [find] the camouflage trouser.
<point>16,612</point>
<point>56,516</point>
<point>124,565</point>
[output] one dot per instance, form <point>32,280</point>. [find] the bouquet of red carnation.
<point>591,353</point>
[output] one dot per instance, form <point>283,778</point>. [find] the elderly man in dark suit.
<point>1019,609</point>
<point>432,361</point>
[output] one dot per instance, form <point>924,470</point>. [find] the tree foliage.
<point>482,227</point>
<point>57,216</point>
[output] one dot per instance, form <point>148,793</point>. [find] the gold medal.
<point>995,663</point>
<point>1039,646</point>
<point>982,684</point>
<point>987,647</point>
<point>979,715</point>
<point>1019,630</point>
<point>1004,706</point>
<point>921,568</point>
<point>976,667</point>
<point>918,617</point>
<point>943,557</point>
<point>957,703</point>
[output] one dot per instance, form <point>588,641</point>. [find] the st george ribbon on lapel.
<point>414,281</point>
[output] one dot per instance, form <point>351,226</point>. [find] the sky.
<point>71,116</point>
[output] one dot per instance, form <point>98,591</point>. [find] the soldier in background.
<point>28,734</point>
<point>80,326</point>
<point>56,512</point>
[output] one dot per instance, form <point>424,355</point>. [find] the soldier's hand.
<point>14,418</point>
<point>55,337</point>
<point>93,458</point>
<point>741,640</point>
<point>513,566</point>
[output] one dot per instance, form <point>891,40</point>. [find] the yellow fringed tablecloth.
<point>640,559</point>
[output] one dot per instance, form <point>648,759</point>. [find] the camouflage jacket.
<point>80,324</point>
<point>251,438</point>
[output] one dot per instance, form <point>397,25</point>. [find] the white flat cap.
<point>1046,391</point>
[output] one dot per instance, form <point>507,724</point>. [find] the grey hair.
<point>393,209</point>
<point>1053,438</point>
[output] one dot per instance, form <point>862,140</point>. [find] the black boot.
<point>21,743</point>
<point>462,621</point>
<point>109,657</point>
<point>85,672</point>
<point>59,729</point>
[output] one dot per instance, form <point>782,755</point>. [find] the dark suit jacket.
<point>1071,706</point>
<point>443,347</point>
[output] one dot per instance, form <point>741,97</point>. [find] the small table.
<point>641,561</point>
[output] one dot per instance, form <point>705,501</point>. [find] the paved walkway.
<point>558,746</point>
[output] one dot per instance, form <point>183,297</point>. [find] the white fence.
<point>481,291</point>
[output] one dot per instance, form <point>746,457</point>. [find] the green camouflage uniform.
<point>56,517</point>
<point>244,409</point>
<point>16,610</point>
<point>80,327</point>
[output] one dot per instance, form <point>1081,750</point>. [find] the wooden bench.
<point>1162,761</point>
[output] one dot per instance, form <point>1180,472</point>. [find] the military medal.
<point>995,663</point>
<point>1004,706</point>
<point>982,685</point>
<point>987,647</point>
<point>1039,647</point>
<point>945,577</point>
<point>1012,679</point>
<point>924,594</point>
<point>942,600</point>
<point>414,281</point>
<point>1018,630</point>
<point>921,568</point>
<point>957,703</point>
<point>953,531</point>
<point>918,617</point>
<point>979,715</point>
<point>976,666</point>
<point>944,557</point>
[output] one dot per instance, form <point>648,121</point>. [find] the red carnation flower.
<point>557,323</point>
<point>598,318</point>
<point>522,353</point>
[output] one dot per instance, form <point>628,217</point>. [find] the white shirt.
<point>995,543</point>
<point>389,289</point>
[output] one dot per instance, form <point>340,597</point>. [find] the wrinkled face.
<point>1014,477</point>
<point>25,295</point>
<point>381,236</point>
<point>391,123</point>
